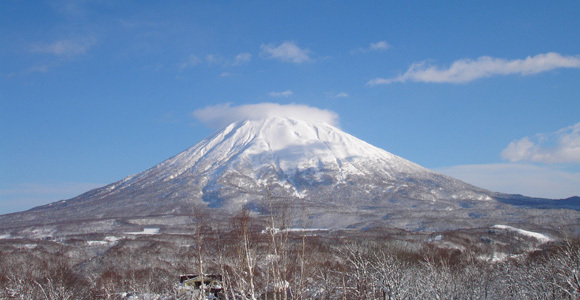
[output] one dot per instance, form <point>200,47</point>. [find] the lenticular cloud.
<point>220,115</point>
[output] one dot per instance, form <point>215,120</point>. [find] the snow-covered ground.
<point>538,236</point>
<point>109,240</point>
<point>97,243</point>
<point>277,230</point>
<point>146,231</point>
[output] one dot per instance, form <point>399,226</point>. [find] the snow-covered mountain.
<point>329,176</point>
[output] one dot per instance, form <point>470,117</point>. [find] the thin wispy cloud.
<point>242,58</point>
<point>71,9</point>
<point>466,70</point>
<point>287,52</point>
<point>341,95</point>
<point>562,146</point>
<point>191,61</point>
<point>34,69</point>
<point>517,178</point>
<point>220,115</point>
<point>378,46</point>
<point>167,118</point>
<point>135,24</point>
<point>28,195</point>
<point>284,94</point>
<point>213,59</point>
<point>57,189</point>
<point>68,47</point>
<point>37,69</point>
<point>153,67</point>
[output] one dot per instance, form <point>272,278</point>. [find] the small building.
<point>193,283</point>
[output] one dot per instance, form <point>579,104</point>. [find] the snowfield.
<point>538,236</point>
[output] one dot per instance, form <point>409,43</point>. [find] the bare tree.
<point>247,254</point>
<point>567,262</point>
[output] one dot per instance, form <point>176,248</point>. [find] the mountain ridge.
<point>337,179</point>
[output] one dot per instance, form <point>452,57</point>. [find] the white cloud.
<point>284,94</point>
<point>380,46</point>
<point>287,51</point>
<point>218,116</point>
<point>525,179</point>
<point>562,146</point>
<point>242,58</point>
<point>341,95</point>
<point>70,47</point>
<point>466,70</point>
<point>518,150</point>
<point>192,61</point>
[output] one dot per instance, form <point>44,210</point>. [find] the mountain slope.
<point>334,178</point>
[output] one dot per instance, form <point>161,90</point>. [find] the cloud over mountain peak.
<point>220,115</point>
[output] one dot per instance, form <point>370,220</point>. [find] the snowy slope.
<point>338,178</point>
<point>287,146</point>
<point>290,158</point>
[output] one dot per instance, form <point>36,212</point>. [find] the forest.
<point>262,259</point>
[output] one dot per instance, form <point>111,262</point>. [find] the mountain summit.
<point>295,158</point>
<point>331,177</point>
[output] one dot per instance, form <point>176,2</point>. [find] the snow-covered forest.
<point>256,261</point>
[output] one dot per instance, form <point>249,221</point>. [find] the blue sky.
<point>93,91</point>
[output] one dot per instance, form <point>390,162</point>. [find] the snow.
<point>5,236</point>
<point>252,154</point>
<point>306,230</point>
<point>111,239</point>
<point>538,236</point>
<point>496,257</point>
<point>97,243</point>
<point>146,231</point>
<point>288,145</point>
<point>40,233</point>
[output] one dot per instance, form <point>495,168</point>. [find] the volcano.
<point>324,176</point>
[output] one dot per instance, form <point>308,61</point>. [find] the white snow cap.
<point>221,115</point>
